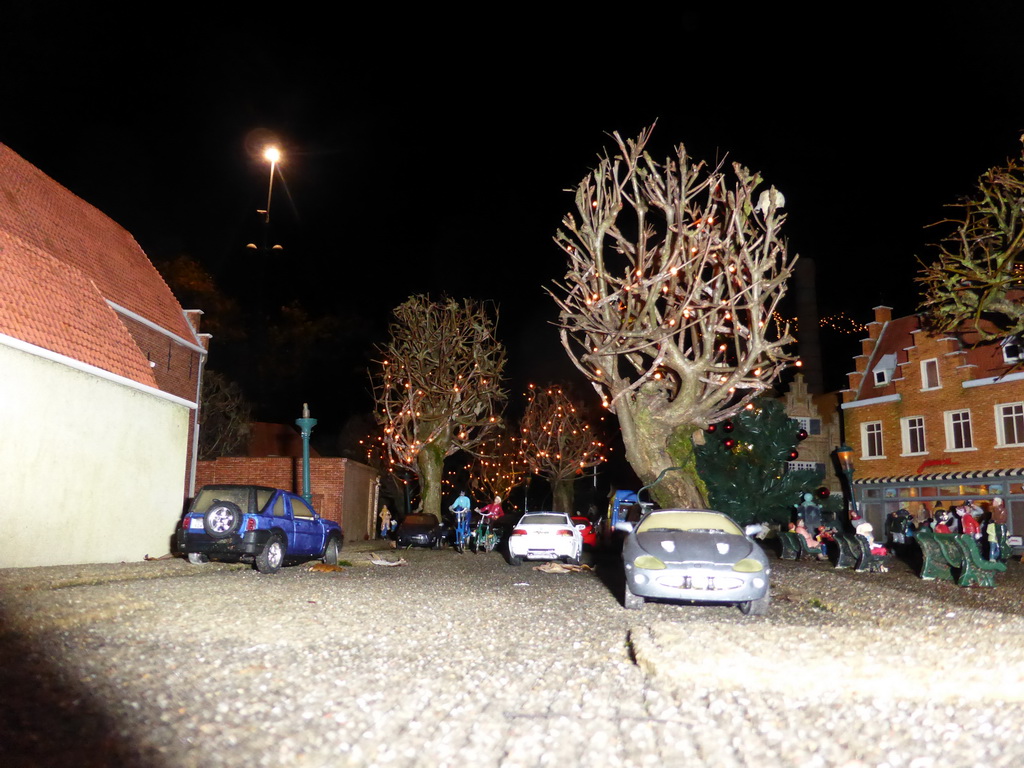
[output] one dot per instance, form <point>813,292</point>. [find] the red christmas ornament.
<point>727,426</point>
<point>712,427</point>
<point>793,455</point>
<point>801,435</point>
<point>824,493</point>
<point>730,443</point>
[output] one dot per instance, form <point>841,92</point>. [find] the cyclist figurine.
<point>460,507</point>
<point>489,515</point>
<point>493,510</point>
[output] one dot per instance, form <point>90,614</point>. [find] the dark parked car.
<point>693,555</point>
<point>250,523</point>
<point>422,531</point>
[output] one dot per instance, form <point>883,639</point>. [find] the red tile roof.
<point>40,212</point>
<point>45,302</point>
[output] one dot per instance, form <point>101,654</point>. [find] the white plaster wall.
<point>91,470</point>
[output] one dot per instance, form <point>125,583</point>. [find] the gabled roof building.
<point>101,379</point>
<point>934,418</point>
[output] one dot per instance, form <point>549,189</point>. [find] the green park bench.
<point>868,562</point>
<point>848,552</point>
<point>976,571</point>
<point>806,549</point>
<point>934,564</point>
<point>790,545</point>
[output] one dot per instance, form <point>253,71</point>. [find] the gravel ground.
<point>456,660</point>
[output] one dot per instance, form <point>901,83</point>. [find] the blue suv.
<point>251,523</point>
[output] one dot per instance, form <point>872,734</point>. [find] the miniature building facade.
<point>934,418</point>
<point>819,416</point>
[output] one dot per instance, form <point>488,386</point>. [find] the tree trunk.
<point>430,463</point>
<point>563,493</point>
<point>655,448</point>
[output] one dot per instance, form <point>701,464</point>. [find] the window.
<point>930,374</point>
<point>1010,423</point>
<point>958,431</point>
<point>913,435</point>
<point>812,426</point>
<point>871,440</point>
<point>1013,350</point>
<point>813,466</point>
<point>882,372</point>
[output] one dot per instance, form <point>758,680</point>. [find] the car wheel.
<point>514,560</point>
<point>197,558</point>
<point>222,519</point>
<point>270,558</point>
<point>332,551</point>
<point>757,607</point>
<point>630,601</point>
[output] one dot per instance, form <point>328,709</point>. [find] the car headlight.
<point>748,565</point>
<point>648,563</point>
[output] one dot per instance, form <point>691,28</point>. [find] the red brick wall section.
<point>327,478</point>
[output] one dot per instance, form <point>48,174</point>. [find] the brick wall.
<point>352,505</point>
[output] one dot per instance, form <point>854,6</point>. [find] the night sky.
<point>429,150</point>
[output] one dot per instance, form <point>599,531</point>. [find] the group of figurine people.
<point>460,508</point>
<point>987,526</point>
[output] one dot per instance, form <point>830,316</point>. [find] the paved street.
<point>456,660</point>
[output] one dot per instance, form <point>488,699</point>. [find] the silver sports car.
<point>693,555</point>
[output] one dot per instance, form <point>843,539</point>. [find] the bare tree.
<point>673,281</point>
<point>226,417</point>
<point>498,467</point>
<point>977,276</point>
<point>558,442</point>
<point>438,388</point>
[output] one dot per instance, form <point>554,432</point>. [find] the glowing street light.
<point>273,156</point>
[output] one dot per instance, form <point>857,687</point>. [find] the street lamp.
<point>273,156</point>
<point>306,424</point>
<point>844,454</point>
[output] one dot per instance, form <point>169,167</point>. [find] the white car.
<point>545,536</point>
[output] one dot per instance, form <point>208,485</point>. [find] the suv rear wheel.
<point>270,558</point>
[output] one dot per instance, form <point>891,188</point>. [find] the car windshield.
<point>688,521</point>
<point>420,520</point>
<point>551,519</point>
<point>208,496</point>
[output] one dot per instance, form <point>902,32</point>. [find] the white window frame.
<point>871,440</point>
<point>909,425</point>
<point>1015,412</point>
<point>956,421</point>
<point>934,364</point>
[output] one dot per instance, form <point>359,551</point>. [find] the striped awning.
<point>981,474</point>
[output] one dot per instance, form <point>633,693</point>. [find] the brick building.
<point>819,416</point>
<point>934,418</point>
<point>101,375</point>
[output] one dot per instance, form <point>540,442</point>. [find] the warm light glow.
<point>272,155</point>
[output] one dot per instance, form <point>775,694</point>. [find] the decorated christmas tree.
<point>743,462</point>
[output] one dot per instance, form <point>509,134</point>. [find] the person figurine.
<point>385,522</point>
<point>968,523</point>
<point>809,512</point>
<point>868,532</point>
<point>493,510</point>
<point>997,523</point>
<point>460,508</point>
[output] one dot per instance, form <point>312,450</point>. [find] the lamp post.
<point>273,156</point>
<point>305,424</point>
<point>844,454</point>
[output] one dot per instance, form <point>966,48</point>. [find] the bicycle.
<point>485,537</point>
<point>463,532</point>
